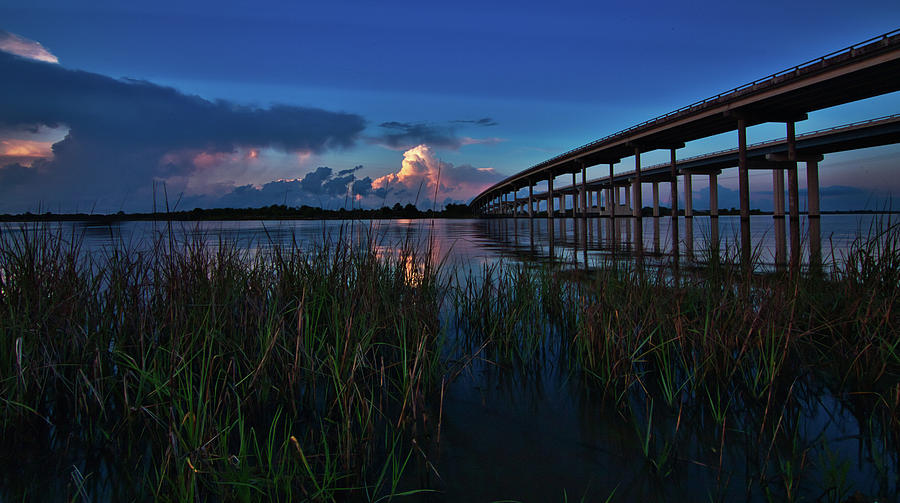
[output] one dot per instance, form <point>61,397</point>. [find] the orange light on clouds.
<point>26,151</point>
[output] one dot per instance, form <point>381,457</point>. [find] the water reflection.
<point>593,242</point>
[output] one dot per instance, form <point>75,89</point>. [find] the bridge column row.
<point>583,199</point>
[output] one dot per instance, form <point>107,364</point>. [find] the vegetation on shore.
<point>273,212</point>
<point>199,370</point>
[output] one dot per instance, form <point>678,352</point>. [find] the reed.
<point>201,370</point>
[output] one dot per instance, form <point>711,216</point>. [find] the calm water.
<point>539,435</point>
<point>471,243</point>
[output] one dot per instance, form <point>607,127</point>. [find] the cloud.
<point>406,135</point>
<point>487,121</point>
<point>21,46</point>
<point>423,178</point>
<point>125,134</point>
<point>320,187</point>
<point>15,150</point>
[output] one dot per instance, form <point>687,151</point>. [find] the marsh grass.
<point>715,364</point>
<point>202,370</point>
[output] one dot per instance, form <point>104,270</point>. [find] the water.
<point>474,242</point>
<point>537,434</point>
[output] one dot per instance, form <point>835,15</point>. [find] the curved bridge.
<point>861,71</point>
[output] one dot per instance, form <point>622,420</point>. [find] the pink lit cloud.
<point>422,176</point>
<point>21,46</point>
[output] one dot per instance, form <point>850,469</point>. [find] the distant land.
<point>282,212</point>
<point>273,212</point>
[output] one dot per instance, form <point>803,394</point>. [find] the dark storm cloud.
<point>486,121</point>
<point>405,135</point>
<point>321,187</point>
<point>348,171</point>
<point>120,130</point>
<point>362,187</point>
<point>145,114</point>
<point>15,174</point>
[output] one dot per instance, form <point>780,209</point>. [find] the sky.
<point>125,106</point>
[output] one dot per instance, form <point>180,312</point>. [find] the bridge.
<point>864,70</point>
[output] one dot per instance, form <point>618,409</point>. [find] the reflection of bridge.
<point>867,69</point>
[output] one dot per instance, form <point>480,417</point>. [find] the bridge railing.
<point>729,93</point>
<point>811,134</point>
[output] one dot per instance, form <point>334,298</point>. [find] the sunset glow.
<point>21,46</point>
<point>25,150</point>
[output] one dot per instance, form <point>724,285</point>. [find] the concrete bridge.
<point>864,70</point>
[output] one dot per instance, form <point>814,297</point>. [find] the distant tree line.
<point>273,212</point>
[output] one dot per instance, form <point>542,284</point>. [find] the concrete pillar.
<point>574,196</point>
<point>714,210</point>
<point>550,197</point>
<point>530,199</point>
<point>815,231</point>
<point>655,199</point>
<point>688,215</point>
<point>584,191</point>
<point>688,198</point>
<point>673,193</point>
<point>744,192</point>
<point>778,217</point>
<point>636,184</point>
<point>793,196</point>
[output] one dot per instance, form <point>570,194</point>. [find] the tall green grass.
<point>201,370</point>
<point>713,362</point>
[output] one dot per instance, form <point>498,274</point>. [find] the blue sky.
<point>401,101</point>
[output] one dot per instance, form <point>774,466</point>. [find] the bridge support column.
<point>793,196</point>
<point>744,192</point>
<point>584,192</point>
<point>530,200</point>
<point>614,207</point>
<point>688,214</point>
<point>688,196</point>
<point>812,191</point>
<point>550,198</point>
<point>574,196</point>
<point>778,217</point>
<point>673,194</point>
<point>610,207</point>
<point>628,206</point>
<point>714,211</point>
<point>656,199</point>
<point>638,204</point>
<point>656,217</point>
